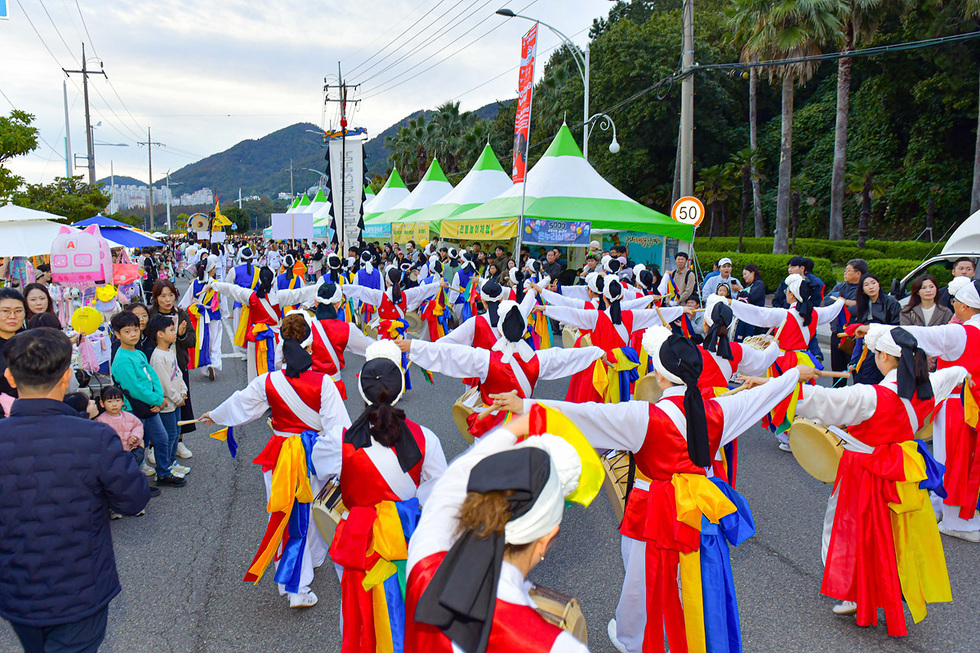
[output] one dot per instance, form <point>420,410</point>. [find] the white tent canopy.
<point>966,238</point>
<point>393,192</point>
<point>26,232</point>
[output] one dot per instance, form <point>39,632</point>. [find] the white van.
<point>964,243</point>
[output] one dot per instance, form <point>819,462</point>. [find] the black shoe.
<point>171,481</point>
<point>154,491</point>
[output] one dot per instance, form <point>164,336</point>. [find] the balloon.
<point>86,320</point>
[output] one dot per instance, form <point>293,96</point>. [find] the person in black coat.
<point>60,474</point>
<point>873,307</point>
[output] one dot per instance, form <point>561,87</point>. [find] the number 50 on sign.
<point>688,210</point>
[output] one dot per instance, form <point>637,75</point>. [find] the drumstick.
<point>834,375</point>
<point>779,331</point>
<point>185,422</point>
<point>744,386</point>
<point>660,315</point>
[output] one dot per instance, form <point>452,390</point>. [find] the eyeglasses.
<point>16,312</point>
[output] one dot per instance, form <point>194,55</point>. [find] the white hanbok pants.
<point>215,336</point>
<point>951,514</point>
<point>631,612</point>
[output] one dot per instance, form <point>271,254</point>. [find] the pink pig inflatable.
<point>81,258</point>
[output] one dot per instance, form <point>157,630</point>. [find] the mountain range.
<point>262,166</point>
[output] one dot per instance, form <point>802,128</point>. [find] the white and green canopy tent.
<point>485,180</point>
<point>368,193</point>
<point>393,192</point>
<point>320,208</point>
<point>562,186</point>
<point>295,205</point>
<point>433,187</point>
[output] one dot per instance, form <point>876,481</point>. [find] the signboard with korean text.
<point>560,233</point>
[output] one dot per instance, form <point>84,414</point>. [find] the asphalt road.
<point>181,565</point>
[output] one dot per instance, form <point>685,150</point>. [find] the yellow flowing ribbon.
<point>261,350</point>
<point>612,393</point>
<point>242,331</point>
<point>696,497</point>
<point>388,541</point>
<point>290,482</point>
<point>919,551</point>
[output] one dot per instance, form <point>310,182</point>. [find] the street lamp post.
<point>581,62</point>
<point>605,123</point>
<point>176,183</point>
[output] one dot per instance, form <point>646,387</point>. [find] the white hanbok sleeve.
<point>755,362</point>
<point>566,643</point>
<point>236,292</point>
<point>621,426</point>
<point>333,412</point>
<point>947,341</point>
<point>436,530</point>
<point>293,296</point>
<point>451,360</point>
<point>433,466</point>
<point>188,297</point>
<point>649,317</point>
<point>357,342</point>
<point>576,293</point>
<point>528,303</point>
<point>415,296</point>
<point>760,316</point>
<point>555,299</point>
<point>461,335</point>
<point>367,295</point>
<point>243,406</point>
<point>230,276</point>
<point>838,406</point>
<point>637,304</point>
<point>327,454</point>
<point>557,363</point>
<point>944,381</point>
<point>579,318</point>
<point>827,314</point>
<point>744,409</point>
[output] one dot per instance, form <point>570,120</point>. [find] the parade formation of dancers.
<point>434,557</point>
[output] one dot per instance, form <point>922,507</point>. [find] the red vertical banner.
<point>522,125</point>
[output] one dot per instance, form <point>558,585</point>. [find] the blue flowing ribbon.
<point>205,345</point>
<point>721,623</point>
<point>934,471</point>
<point>628,377</point>
<point>290,568</point>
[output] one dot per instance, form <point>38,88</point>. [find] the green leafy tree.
<point>68,197</point>
<point>17,138</point>
<point>864,182</point>
<point>240,217</point>
<point>745,164</point>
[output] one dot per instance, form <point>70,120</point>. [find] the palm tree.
<point>451,126</point>
<point>787,29</point>
<point>715,187</point>
<point>859,19</point>
<point>862,179</point>
<point>401,148</point>
<point>971,9</point>
<point>745,164</point>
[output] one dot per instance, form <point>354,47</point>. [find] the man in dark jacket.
<point>59,476</point>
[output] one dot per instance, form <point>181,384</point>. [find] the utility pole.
<point>85,72</point>
<point>112,188</point>
<point>64,88</point>
<point>343,89</point>
<point>291,191</point>
<point>149,155</point>
<point>687,101</point>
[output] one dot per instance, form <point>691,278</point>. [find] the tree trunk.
<point>712,228</point>
<point>796,216</point>
<point>840,141</point>
<point>746,189</point>
<point>760,225</point>
<point>931,214</point>
<point>975,195</point>
<point>865,212</point>
<point>780,242</point>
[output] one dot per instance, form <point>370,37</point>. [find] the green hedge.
<point>839,252</point>
<point>773,266</point>
<point>896,268</point>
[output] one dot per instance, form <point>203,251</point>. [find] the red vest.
<point>889,423</point>
<point>257,314</point>
<point>971,355</point>
<point>391,311</point>
<point>337,333</point>
<point>500,377</point>
<point>792,337</point>
<point>606,336</point>
<point>361,484</point>
<point>308,386</point>
<point>483,336</point>
<point>515,627</point>
<point>716,371</point>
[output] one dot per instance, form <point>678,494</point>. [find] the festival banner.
<point>525,89</point>
<point>377,231</point>
<point>559,233</point>
<point>479,229</point>
<point>346,177</point>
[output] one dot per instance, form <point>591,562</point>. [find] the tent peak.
<point>394,181</point>
<point>488,160</point>
<point>435,173</point>
<point>564,144</point>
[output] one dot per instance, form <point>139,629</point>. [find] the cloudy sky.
<point>206,75</point>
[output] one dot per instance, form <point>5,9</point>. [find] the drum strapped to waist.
<point>414,323</point>
<point>465,406</point>
<point>561,610</point>
<point>816,449</point>
<point>647,389</point>
<point>759,342</point>
<point>328,509</point>
<point>620,471</point>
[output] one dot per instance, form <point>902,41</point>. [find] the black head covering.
<point>297,359</point>
<point>380,375</point>
<point>614,265</point>
<point>326,311</point>
<point>681,357</point>
<point>646,279</point>
<point>266,278</point>
<point>513,326</point>
<point>805,303</point>
<point>520,278</point>
<point>395,277</point>
<point>496,292</point>
<point>615,312</point>
<point>716,339</point>
<point>910,383</point>
<point>462,594</point>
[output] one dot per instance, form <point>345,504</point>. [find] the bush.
<point>887,269</point>
<point>839,252</point>
<point>773,266</point>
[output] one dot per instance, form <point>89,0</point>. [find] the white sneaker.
<point>784,446</point>
<point>114,515</point>
<point>846,607</point>
<point>307,600</point>
<point>180,469</point>
<point>176,473</point>
<point>146,469</point>
<point>969,536</point>
<point>183,452</point>
<point>151,458</point>
<point>141,513</point>
<point>611,631</point>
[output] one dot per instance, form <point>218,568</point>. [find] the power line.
<point>377,38</point>
<point>90,41</point>
<point>57,31</point>
<point>390,43</point>
<point>41,38</point>
<point>453,54</point>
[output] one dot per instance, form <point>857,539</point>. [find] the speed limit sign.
<point>688,210</point>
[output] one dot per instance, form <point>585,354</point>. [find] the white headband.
<point>544,515</point>
<point>592,281</point>
<point>709,306</point>
<point>505,346</point>
<point>309,325</point>
<point>883,342</point>
<point>607,291</point>
<point>384,349</point>
<point>653,340</point>
<point>338,295</point>
<point>490,298</point>
<point>968,295</point>
<point>793,283</point>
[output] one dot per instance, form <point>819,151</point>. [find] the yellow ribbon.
<point>388,541</point>
<point>242,331</point>
<point>696,497</point>
<point>290,482</point>
<point>611,394</point>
